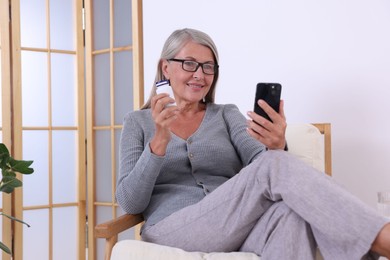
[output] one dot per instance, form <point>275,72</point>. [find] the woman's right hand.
<point>163,117</point>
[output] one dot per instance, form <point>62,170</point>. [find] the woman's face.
<point>189,87</point>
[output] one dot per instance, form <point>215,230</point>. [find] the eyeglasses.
<point>192,66</point>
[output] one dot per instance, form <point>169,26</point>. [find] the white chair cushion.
<point>307,143</point>
<point>134,249</point>
<point>304,140</point>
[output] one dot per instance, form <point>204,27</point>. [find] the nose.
<point>199,73</point>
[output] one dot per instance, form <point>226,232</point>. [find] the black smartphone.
<point>270,93</point>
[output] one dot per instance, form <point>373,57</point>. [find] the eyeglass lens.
<point>193,66</point>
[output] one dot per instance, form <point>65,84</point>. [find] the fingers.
<point>271,134</point>
<point>161,113</point>
<point>281,109</point>
<point>160,101</point>
<point>269,139</point>
<point>274,139</point>
<point>275,116</point>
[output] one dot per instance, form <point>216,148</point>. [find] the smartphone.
<point>270,93</point>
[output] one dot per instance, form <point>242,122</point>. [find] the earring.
<point>204,100</point>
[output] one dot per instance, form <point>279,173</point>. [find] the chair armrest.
<point>114,227</point>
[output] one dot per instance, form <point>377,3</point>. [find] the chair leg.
<point>110,242</point>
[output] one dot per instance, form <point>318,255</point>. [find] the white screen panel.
<point>34,89</point>
<point>101,24</point>
<point>64,166</point>
<point>35,186</point>
<point>122,23</point>
<point>62,24</point>
<point>65,233</point>
<point>123,84</point>
<point>102,89</point>
<point>103,166</point>
<point>64,89</point>
<point>36,237</point>
<point>33,23</point>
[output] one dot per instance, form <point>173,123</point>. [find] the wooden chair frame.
<point>110,229</point>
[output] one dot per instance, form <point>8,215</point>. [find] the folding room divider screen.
<point>70,70</point>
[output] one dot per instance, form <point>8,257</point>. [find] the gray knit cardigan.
<point>157,186</point>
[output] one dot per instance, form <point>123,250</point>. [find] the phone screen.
<point>270,93</point>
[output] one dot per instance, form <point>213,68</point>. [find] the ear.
<point>165,68</point>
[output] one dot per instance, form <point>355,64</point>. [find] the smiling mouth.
<point>194,86</point>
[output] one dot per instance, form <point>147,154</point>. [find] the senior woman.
<point>207,179</point>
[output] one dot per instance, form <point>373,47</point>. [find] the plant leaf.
<point>21,166</point>
<point>5,248</point>
<point>9,184</point>
<point>3,150</point>
<point>9,173</point>
<point>15,219</point>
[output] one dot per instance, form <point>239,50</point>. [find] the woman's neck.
<point>189,110</point>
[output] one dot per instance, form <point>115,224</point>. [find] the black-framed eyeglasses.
<point>192,66</point>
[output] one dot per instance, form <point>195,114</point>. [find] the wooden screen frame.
<point>18,128</point>
<point>138,98</point>
<point>6,127</point>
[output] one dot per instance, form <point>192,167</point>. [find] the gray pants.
<point>279,208</point>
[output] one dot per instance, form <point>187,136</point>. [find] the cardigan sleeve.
<point>138,168</point>
<point>246,146</point>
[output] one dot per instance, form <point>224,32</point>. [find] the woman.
<point>206,179</point>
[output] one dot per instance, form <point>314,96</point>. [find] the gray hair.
<point>173,45</point>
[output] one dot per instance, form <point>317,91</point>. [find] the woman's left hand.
<point>271,134</point>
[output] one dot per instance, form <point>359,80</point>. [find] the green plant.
<point>9,168</point>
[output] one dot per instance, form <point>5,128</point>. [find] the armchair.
<point>309,142</point>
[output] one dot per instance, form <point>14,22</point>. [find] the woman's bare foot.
<point>381,243</point>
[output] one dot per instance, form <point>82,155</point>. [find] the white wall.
<point>332,58</point>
